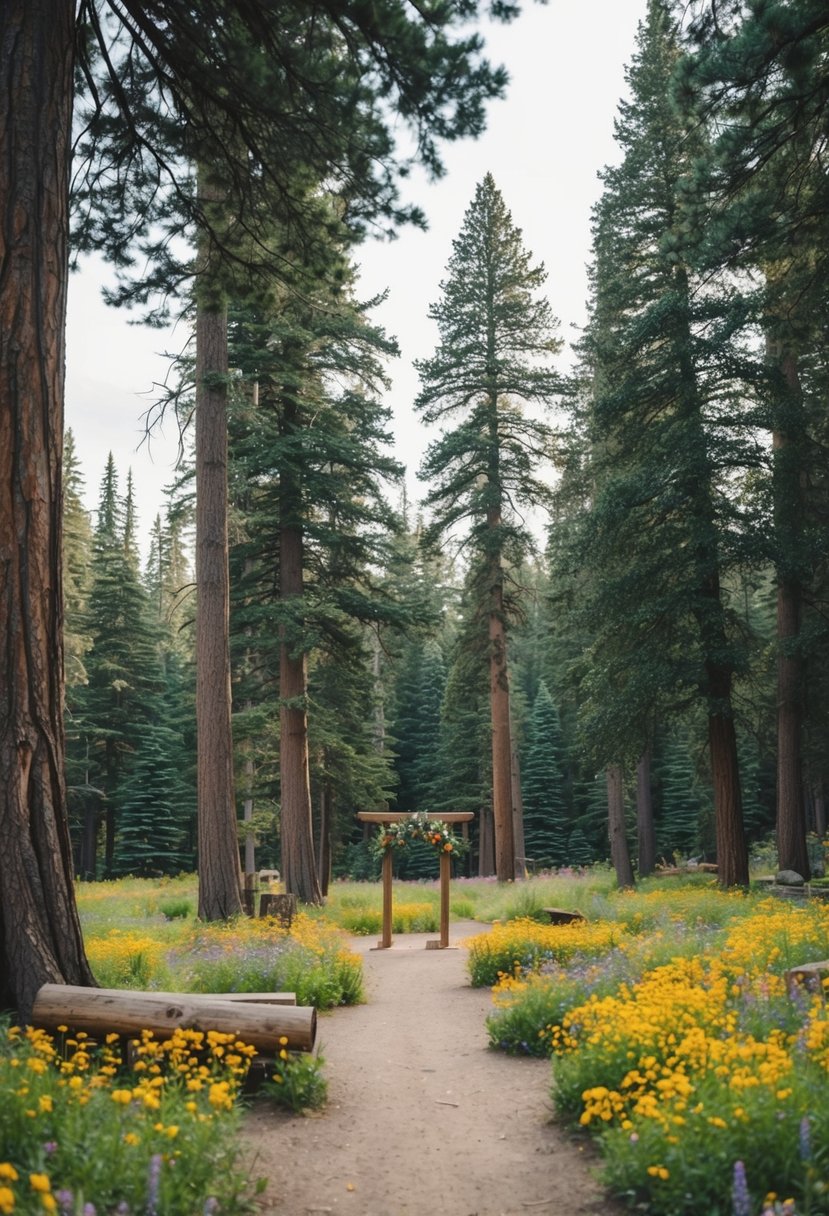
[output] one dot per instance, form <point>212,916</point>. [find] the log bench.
<point>258,1019</point>
<point>809,976</point>
<point>561,916</point>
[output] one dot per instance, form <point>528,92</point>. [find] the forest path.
<point>423,1119</point>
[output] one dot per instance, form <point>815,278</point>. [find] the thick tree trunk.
<point>486,844</point>
<point>645,833</point>
<point>732,851</point>
<point>502,811</point>
<point>40,935</point>
<point>220,888</point>
<point>619,851</point>
<point>792,853</point>
<point>299,870</point>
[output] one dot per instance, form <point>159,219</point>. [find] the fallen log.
<point>102,1011</point>
<point>243,998</point>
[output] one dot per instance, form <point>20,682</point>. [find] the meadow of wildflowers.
<point>81,1135</point>
<point>679,1047</point>
<point>84,1132</point>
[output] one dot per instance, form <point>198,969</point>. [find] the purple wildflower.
<point>805,1139</point>
<point>211,1206</point>
<point>740,1197</point>
<point>89,1209</point>
<point>153,1184</point>
<point>65,1201</point>
<point>50,1147</point>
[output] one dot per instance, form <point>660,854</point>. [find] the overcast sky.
<point>544,145</point>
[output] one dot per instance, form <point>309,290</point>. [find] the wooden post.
<point>385,941</point>
<point>445,868</point>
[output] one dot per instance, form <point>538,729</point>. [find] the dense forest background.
<point>659,531</point>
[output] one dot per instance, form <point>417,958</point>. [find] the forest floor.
<point>423,1118</point>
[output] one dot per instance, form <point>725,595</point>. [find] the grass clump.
<point>296,1080</point>
<point>311,959</point>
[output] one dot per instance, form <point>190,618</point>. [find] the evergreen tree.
<point>151,834</point>
<point>76,557</point>
<point>466,747</point>
<point>491,367</point>
<point>546,826</point>
<point>300,90</point>
<point>314,466</point>
<point>664,522</point>
<point>124,674</point>
<point>416,727</point>
<point>759,79</point>
<point>682,806</point>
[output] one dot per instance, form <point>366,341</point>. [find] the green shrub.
<point>296,1080</point>
<point>176,909</point>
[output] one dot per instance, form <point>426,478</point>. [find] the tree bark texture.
<point>486,843</point>
<point>645,833</point>
<point>619,852</point>
<point>220,888</point>
<point>299,871</point>
<point>792,853</point>
<point>517,809</point>
<point>40,936</point>
<point>502,811</point>
<point>732,850</point>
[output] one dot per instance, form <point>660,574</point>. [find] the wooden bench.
<point>560,916</point>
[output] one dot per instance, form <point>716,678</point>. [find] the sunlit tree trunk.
<point>619,852</point>
<point>220,887</point>
<point>502,813</point>
<point>40,936</point>
<point>299,871</point>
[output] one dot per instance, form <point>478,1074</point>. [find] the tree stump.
<point>280,907</point>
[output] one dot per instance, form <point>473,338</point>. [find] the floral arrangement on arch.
<point>434,832</point>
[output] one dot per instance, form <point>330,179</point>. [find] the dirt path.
<point>422,1118</point>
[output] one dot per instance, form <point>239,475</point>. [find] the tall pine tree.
<point>485,385</point>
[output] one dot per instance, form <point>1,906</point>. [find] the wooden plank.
<point>402,816</point>
<point>100,1011</point>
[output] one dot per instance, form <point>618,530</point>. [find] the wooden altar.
<point>385,817</point>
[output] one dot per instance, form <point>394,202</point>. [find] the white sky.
<point>543,145</point>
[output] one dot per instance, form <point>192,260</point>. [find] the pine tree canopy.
<point>268,100</point>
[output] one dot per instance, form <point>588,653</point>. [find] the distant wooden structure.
<point>385,817</point>
<point>562,916</point>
